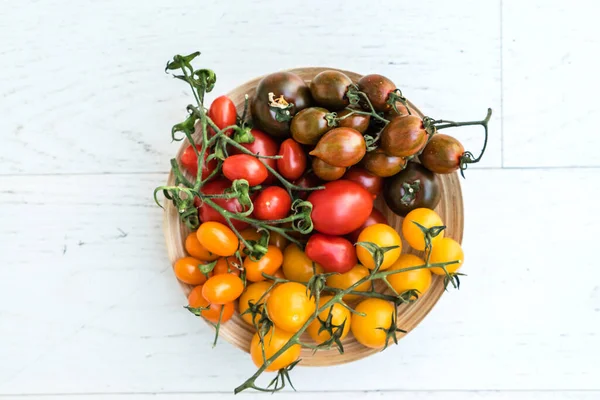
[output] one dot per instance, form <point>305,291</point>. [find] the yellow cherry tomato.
<point>273,341</point>
<point>339,315</point>
<point>383,236</point>
<point>366,329</point>
<point>297,266</point>
<point>417,279</point>
<point>196,250</point>
<point>217,238</point>
<point>347,279</point>
<point>269,263</point>
<point>446,250</point>
<point>289,306</point>
<point>252,294</point>
<point>413,234</point>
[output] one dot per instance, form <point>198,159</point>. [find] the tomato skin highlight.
<point>218,238</point>
<point>207,213</point>
<point>292,163</point>
<point>272,203</point>
<point>187,271</point>
<point>289,306</point>
<point>378,314</point>
<point>244,166</point>
<point>189,162</point>
<point>383,236</point>
<point>223,113</point>
<point>333,253</point>
<point>222,289</point>
<point>263,145</point>
<point>341,207</point>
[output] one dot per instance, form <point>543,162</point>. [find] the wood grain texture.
<point>549,95</point>
<point>83,88</point>
<point>88,309</point>
<point>237,332</point>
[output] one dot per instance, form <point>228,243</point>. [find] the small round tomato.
<point>347,279</point>
<point>383,236</point>
<point>325,171</point>
<point>263,145</point>
<point>328,89</point>
<point>189,161</point>
<point>187,271</point>
<point>377,88</point>
<point>272,203</point>
<point>442,154</point>
<point>278,240</point>
<point>380,164</point>
<point>341,147</point>
<point>341,207</point>
<point>297,266</point>
<point>414,187</point>
<point>217,238</point>
<point>372,183</point>
<point>376,217</point>
<point>221,289</point>
<point>273,341</point>
<point>207,213</point>
<point>289,306</point>
<point>404,136</point>
<point>417,279</point>
<point>223,113</point>
<point>309,125</point>
<point>413,234</point>
<point>333,253</point>
<point>252,294</point>
<point>213,311</point>
<point>244,166</point>
<point>292,163</point>
<point>196,250</point>
<point>269,263</point>
<point>360,122</point>
<point>227,265</point>
<point>339,315</point>
<point>445,250</point>
<point>370,329</point>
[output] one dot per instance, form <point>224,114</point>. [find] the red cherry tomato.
<point>341,207</point>
<point>244,166</point>
<point>272,203</point>
<point>263,145</point>
<point>334,253</point>
<point>189,161</point>
<point>223,113</point>
<point>293,161</point>
<point>376,217</point>
<point>373,183</point>
<point>307,180</point>
<point>207,213</point>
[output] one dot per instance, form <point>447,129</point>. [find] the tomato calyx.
<point>396,96</point>
<point>280,107</point>
<point>335,332</point>
<point>410,191</point>
<point>376,252</point>
<point>392,330</point>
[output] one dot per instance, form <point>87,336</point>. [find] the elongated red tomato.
<point>292,163</point>
<point>272,203</point>
<point>244,166</point>
<point>341,207</point>
<point>223,113</point>
<point>207,213</point>
<point>189,161</point>
<point>263,145</point>
<point>334,253</point>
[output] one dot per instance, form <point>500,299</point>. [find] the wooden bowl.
<point>237,332</point>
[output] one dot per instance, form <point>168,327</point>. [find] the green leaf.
<point>207,268</point>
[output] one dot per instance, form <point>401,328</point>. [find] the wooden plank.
<point>549,98</point>
<point>88,302</point>
<point>90,95</point>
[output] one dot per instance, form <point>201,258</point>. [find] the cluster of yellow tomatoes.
<point>288,304</point>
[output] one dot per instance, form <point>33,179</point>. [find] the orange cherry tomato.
<point>269,264</point>
<point>345,280</point>
<point>297,266</point>
<point>217,238</point>
<point>339,315</point>
<point>417,279</point>
<point>446,250</point>
<point>227,265</point>
<point>367,329</point>
<point>279,274</point>
<point>411,232</point>
<point>383,236</point>
<point>196,250</point>
<point>221,289</point>
<point>289,306</point>
<point>252,294</point>
<point>187,271</point>
<point>213,311</point>
<point>273,341</point>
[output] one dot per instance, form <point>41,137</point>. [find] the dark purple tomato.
<point>414,187</point>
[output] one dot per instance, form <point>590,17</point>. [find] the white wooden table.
<point>88,303</point>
